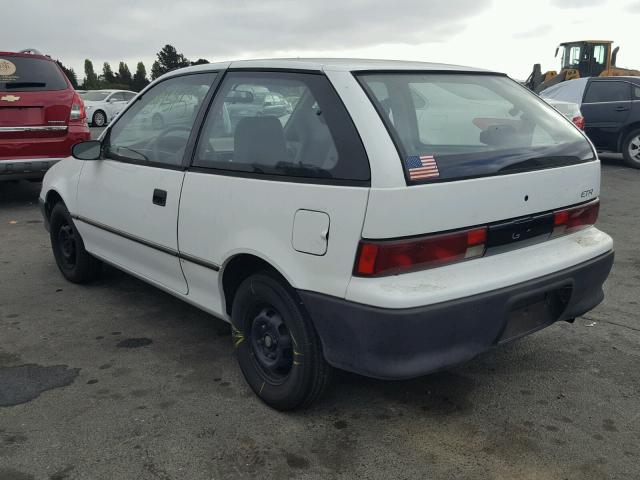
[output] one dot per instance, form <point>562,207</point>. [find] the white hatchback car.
<point>398,219</point>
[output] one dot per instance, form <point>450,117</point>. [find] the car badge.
<point>10,98</point>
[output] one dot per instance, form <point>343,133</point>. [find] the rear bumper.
<point>404,343</point>
<point>27,169</point>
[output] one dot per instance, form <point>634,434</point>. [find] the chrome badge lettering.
<point>587,193</point>
<point>9,98</point>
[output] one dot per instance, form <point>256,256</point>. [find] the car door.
<point>605,108</point>
<point>290,187</point>
<point>128,201</point>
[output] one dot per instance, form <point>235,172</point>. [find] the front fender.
<point>62,179</point>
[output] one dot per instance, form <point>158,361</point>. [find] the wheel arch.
<point>237,268</point>
<point>625,132</point>
<point>51,199</point>
<point>104,112</point>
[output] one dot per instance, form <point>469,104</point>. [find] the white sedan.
<point>103,105</point>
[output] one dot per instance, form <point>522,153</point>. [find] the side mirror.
<point>89,150</point>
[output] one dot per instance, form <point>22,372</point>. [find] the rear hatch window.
<point>25,74</point>
<point>457,126</point>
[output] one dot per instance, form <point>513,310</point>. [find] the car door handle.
<point>160,197</point>
<point>621,109</point>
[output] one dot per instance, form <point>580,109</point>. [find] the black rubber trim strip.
<point>199,261</point>
<point>155,246</point>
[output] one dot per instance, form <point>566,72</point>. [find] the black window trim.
<point>184,164</point>
<point>358,74</point>
<point>609,80</point>
<point>272,177</point>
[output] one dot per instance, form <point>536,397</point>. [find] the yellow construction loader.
<point>585,58</point>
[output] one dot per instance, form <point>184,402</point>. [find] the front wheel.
<point>99,119</point>
<point>631,149</point>
<point>74,262</point>
<point>277,347</point>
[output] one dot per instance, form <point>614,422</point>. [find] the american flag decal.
<point>422,167</point>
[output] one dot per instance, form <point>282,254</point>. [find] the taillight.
<point>576,218</point>
<point>396,256</point>
<point>78,113</point>
<point>389,257</point>
<point>578,121</point>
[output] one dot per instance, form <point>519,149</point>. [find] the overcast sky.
<point>503,35</point>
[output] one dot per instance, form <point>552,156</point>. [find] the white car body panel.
<point>120,195</point>
<point>486,200</point>
<point>63,180</point>
<point>235,215</point>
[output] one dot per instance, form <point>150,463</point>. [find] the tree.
<point>124,75</point>
<point>71,75</point>
<point>168,59</point>
<point>139,78</point>
<point>91,81</point>
<point>107,74</point>
<point>200,61</point>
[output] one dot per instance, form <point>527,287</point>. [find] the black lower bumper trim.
<point>404,343</point>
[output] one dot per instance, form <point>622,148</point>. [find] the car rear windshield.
<point>453,126</point>
<point>19,74</point>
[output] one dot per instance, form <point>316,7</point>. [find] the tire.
<point>74,262</point>
<point>99,119</point>
<point>269,319</point>
<point>631,149</point>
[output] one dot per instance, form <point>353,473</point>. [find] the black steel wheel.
<point>75,263</point>
<point>278,349</point>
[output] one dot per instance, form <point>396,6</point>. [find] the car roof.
<point>108,90</point>
<point>628,78</point>
<point>569,91</point>
<point>26,55</point>
<point>329,64</point>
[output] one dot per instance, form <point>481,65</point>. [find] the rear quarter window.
<point>281,124</point>
<point>30,74</point>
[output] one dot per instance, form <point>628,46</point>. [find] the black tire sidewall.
<point>93,119</point>
<point>625,149</point>
<point>265,288</point>
<point>86,267</point>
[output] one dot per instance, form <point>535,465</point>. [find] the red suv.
<point>41,115</point>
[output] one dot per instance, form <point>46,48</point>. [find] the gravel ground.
<point>118,380</point>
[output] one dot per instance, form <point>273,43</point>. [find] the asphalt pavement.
<point>118,380</point>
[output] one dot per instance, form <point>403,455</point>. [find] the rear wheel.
<point>277,347</point>
<point>75,263</point>
<point>99,119</point>
<point>631,149</point>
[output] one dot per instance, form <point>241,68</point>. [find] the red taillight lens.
<point>397,256</point>
<point>78,113</point>
<point>578,121</point>
<point>576,218</point>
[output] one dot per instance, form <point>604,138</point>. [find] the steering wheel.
<point>158,152</point>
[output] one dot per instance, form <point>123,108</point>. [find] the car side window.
<point>607,91</point>
<point>636,92</point>
<point>117,97</point>
<point>281,123</point>
<point>156,128</point>
<point>128,96</point>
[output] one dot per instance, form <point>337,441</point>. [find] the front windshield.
<point>94,96</point>
<point>469,125</point>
